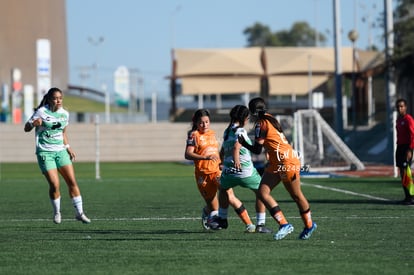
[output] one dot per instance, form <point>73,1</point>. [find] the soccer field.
<point>146,220</point>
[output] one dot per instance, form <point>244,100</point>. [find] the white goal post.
<point>319,146</point>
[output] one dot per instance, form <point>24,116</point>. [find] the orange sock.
<point>243,214</point>
<point>307,218</point>
<point>277,214</point>
<point>280,218</point>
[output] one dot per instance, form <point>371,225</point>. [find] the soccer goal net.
<point>319,147</point>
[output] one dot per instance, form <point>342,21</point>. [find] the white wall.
<point>118,142</point>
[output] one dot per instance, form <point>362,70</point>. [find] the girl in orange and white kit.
<point>202,147</point>
<point>284,166</point>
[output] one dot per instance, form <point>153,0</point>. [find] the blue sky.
<point>140,34</point>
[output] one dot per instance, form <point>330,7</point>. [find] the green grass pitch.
<point>146,220</point>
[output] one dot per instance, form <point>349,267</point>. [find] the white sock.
<point>56,205</point>
<point>77,203</point>
<point>223,213</point>
<point>260,218</point>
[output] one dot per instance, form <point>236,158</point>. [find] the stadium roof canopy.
<point>289,70</point>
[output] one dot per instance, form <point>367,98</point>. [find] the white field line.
<point>405,216</point>
<point>346,192</point>
<point>196,218</point>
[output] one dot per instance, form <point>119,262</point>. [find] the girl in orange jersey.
<point>202,147</point>
<point>284,165</point>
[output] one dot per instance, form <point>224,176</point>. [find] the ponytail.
<point>257,107</point>
<point>47,97</point>
<point>42,103</point>
<point>238,113</point>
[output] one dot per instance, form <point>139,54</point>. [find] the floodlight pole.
<point>96,43</point>
<point>338,69</point>
<point>97,149</point>
<point>389,75</point>
<point>353,36</point>
<point>310,95</point>
<point>107,104</point>
<point>173,80</point>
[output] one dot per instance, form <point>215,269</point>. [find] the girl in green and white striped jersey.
<point>238,170</point>
<point>53,151</point>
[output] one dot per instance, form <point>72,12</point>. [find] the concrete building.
<point>33,39</point>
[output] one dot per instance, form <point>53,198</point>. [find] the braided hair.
<point>238,113</point>
<point>257,107</point>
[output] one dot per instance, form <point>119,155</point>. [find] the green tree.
<point>403,57</point>
<point>299,35</point>
<point>260,35</point>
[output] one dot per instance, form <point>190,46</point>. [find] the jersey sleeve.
<point>36,114</point>
<point>260,130</point>
<point>243,132</point>
<point>411,131</point>
<point>190,139</point>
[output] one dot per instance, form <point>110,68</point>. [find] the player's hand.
<point>211,157</point>
<point>72,154</point>
<point>409,155</point>
<point>37,122</point>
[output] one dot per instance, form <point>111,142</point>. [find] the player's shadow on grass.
<point>350,201</point>
<point>144,235</point>
<point>128,231</point>
<point>128,234</point>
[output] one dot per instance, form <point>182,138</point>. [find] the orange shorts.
<point>208,184</point>
<point>288,171</point>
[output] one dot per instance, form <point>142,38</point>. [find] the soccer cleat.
<point>57,218</point>
<point>82,217</point>
<point>204,219</point>
<point>284,230</point>
<point>217,223</point>
<point>250,228</point>
<point>261,228</point>
<point>307,232</point>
